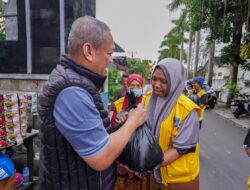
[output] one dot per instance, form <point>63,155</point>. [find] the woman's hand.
<point>170,156</point>
<point>123,118</point>
<point>137,174</point>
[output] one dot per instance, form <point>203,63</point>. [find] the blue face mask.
<point>137,92</point>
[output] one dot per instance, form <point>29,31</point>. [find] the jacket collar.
<point>97,79</point>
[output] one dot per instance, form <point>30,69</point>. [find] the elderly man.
<point>77,152</point>
<point>122,92</point>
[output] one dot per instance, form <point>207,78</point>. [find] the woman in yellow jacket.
<point>174,120</point>
<point>135,85</point>
<point>127,179</point>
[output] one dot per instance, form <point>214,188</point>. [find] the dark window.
<point>45,20</point>
<point>8,20</point>
<point>13,56</point>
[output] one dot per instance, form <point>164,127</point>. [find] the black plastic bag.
<point>142,153</point>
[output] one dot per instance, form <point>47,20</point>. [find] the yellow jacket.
<point>248,183</point>
<point>200,94</point>
<point>185,168</point>
<point>145,100</point>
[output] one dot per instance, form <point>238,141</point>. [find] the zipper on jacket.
<point>100,180</point>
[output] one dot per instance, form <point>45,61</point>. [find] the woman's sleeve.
<point>188,134</point>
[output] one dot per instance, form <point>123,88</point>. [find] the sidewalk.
<point>243,121</point>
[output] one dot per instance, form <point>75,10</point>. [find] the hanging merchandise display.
<point>2,126</point>
<point>32,101</point>
<point>12,119</point>
<point>14,109</point>
<point>23,105</point>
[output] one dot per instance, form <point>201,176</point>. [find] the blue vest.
<point>60,166</point>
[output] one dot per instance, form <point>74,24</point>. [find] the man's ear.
<point>87,51</point>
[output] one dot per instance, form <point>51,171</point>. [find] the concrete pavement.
<point>223,161</point>
<point>243,121</point>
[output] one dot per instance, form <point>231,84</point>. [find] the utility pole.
<point>132,53</point>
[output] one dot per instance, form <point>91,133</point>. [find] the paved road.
<point>224,164</point>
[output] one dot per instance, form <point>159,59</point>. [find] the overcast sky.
<point>138,26</point>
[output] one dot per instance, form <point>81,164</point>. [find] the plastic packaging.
<point>3,143</point>
<point>6,167</point>
<point>142,153</point>
<point>23,106</point>
<point>12,119</point>
<point>19,179</point>
<point>26,175</point>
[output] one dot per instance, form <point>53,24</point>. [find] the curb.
<point>227,115</point>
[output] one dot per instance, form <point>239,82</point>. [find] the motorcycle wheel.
<point>236,114</point>
<point>212,105</point>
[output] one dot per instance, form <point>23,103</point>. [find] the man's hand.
<point>137,116</point>
<point>118,140</point>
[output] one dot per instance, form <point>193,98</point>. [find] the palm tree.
<point>180,28</point>
<point>170,45</point>
<point>194,17</point>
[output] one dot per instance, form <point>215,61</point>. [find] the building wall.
<point>46,17</point>
<point>45,27</point>
<point>219,83</point>
<point>13,52</point>
<point>25,85</point>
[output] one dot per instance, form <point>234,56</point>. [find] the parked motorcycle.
<point>240,105</point>
<point>187,87</point>
<point>211,96</point>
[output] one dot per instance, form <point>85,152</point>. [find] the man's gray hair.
<point>87,29</point>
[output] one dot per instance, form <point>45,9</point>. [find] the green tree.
<point>135,66</point>
<point>1,7</point>
<point>224,19</point>
<point>114,82</point>
<point>172,44</point>
<point>231,16</point>
<point>139,67</point>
